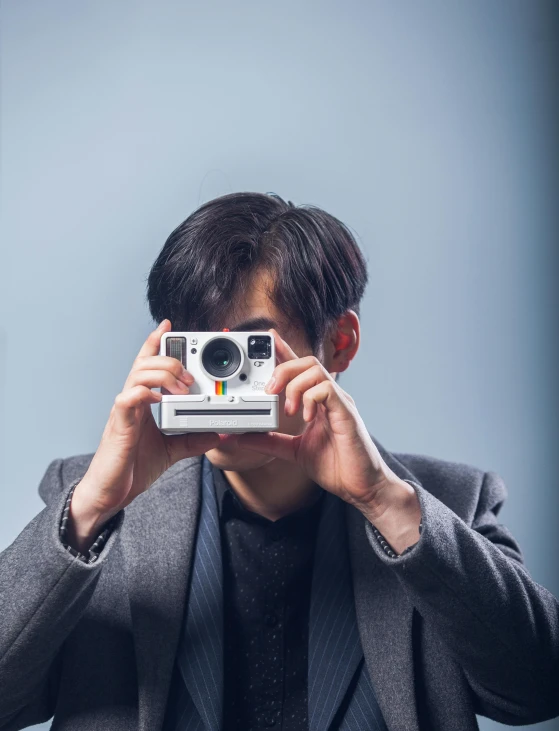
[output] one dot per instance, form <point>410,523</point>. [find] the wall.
<point>429,128</point>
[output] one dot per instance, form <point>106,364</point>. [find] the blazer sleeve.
<point>44,590</point>
<point>470,582</point>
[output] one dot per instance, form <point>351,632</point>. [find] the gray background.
<point>428,127</point>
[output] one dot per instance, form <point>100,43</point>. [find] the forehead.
<point>254,310</point>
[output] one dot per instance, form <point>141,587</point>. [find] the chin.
<point>230,457</point>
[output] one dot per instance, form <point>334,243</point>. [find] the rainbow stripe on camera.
<point>221,388</point>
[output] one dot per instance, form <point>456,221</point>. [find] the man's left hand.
<point>335,450</point>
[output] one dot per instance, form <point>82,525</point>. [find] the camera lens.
<point>221,357</point>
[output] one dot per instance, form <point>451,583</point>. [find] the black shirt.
<point>267,572</point>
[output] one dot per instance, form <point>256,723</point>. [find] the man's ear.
<point>343,342</point>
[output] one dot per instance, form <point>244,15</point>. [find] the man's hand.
<point>133,452</point>
<point>336,450</point>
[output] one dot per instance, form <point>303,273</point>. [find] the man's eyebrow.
<point>256,323</point>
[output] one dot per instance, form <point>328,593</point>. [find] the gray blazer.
<point>454,628</point>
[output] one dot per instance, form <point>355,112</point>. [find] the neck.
<point>275,489</point>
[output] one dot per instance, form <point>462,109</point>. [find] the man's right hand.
<point>133,452</point>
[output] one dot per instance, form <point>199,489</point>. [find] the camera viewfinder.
<point>259,346</point>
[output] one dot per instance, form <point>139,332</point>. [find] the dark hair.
<point>318,270</point>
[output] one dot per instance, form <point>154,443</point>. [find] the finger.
<point>301,383</point>
<point>156,379</point>
<point>193,444</point>
<point>348,396</point>
<point>153,341</point>
<point>126,403</point>
<point>272,443</point>
<point>325,393</point>
<point>286,372</point>
<point>163,362</point>
<point>283,350</point>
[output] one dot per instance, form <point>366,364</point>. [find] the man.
<point>303,580</point>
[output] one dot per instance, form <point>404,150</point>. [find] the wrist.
<point>396,514</point>
<point>85,519</point>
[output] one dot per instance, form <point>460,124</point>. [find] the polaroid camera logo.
<point>258,385</point>
<point>223,422</point>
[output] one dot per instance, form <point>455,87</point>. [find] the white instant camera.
<point>230,370</point>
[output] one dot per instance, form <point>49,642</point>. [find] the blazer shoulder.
<point>458,485</point>
<point>60,473</point>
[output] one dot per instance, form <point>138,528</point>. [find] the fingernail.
<point>270,385</point>
<point>162,324</point>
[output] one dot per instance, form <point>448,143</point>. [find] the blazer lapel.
<point>384,618</point>
<point>157,540</point>
<point>334,644</point>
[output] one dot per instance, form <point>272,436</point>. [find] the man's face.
<point>257,312</point>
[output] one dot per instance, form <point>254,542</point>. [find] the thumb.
<point>275,444</point>
<point>181,446</point>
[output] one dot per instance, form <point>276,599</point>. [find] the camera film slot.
<point>222,412</point>
<point>176,348</point>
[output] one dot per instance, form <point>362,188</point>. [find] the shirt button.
<point>271,619</point>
